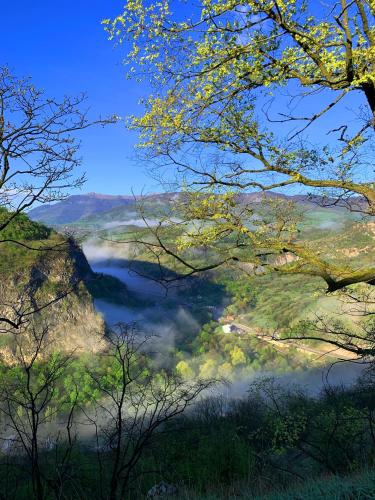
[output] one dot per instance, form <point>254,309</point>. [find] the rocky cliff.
<point>45,286</point>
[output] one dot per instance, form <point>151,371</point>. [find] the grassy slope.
<point>359,486</point>
<point>21,230</point>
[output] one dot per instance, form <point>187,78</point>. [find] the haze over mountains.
<point>76,207</point>
<point>86,207</point>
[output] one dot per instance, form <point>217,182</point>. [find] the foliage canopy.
<point>251,97</point>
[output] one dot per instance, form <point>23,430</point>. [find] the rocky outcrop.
<point>49,290</point>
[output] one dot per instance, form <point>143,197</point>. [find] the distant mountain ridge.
<point>81,206</point>
<point>85,206</point>
<point>76,207</point>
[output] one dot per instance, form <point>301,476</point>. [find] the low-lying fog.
<point>130,222</point>
<point>108,260</point>
<point>309,381</point>
<point>164,315</point>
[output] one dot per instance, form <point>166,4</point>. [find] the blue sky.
<point>64,48</point>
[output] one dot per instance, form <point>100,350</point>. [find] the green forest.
<point>187,271</point>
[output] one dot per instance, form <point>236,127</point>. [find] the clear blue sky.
<point>64,48</point>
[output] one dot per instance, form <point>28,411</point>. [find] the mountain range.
<point>87,208</point>
<point>76,207</point>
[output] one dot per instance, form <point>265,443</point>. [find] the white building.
<point>229,328</point>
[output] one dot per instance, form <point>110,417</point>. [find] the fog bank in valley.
<point>164,315</point>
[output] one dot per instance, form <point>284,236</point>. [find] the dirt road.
<point>280,345</point>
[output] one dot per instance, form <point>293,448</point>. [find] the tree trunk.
<point>369,90</point>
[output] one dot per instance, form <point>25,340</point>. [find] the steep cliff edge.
<point>46,285</point>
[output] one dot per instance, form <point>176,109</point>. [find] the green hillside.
<point>260,437</point>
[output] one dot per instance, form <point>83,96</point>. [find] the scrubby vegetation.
<point>264,444</point>
<point>21,227</point>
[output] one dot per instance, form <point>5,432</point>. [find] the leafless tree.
<point>27,400</point>
<point>38,158</point>
<point>135,401</point>
<point>38,144</point>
